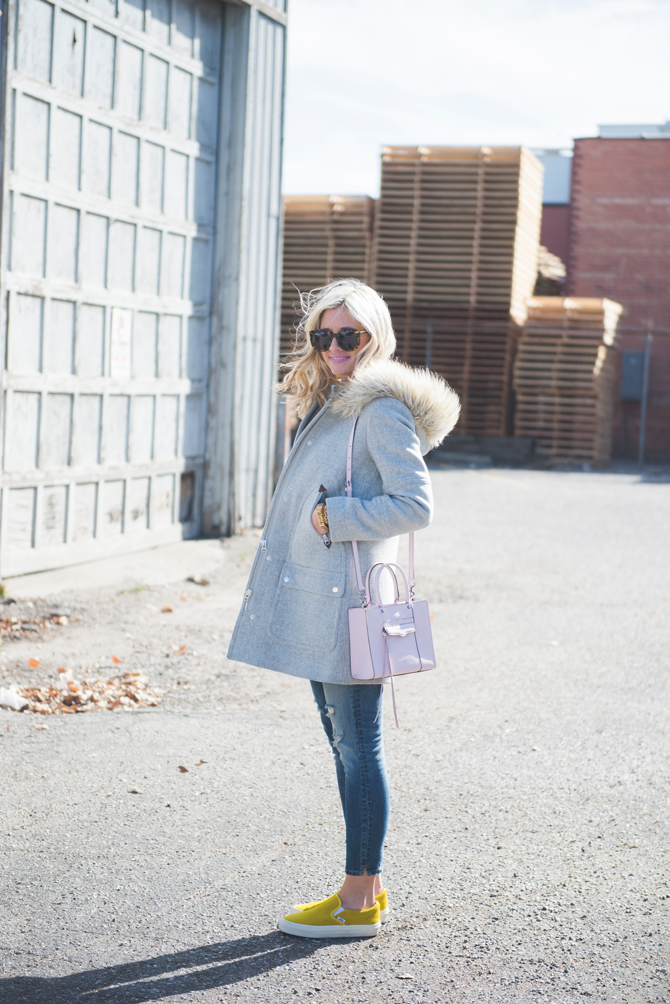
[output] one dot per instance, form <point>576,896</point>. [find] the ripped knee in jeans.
<point>329,711</point>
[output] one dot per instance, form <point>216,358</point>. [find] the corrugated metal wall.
<point>244,357</point>
<point>131,165</point>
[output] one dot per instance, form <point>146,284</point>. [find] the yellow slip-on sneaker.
<point>329,919</point>
<point>382,901</point>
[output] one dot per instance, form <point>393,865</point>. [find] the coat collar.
<point>435,407</point>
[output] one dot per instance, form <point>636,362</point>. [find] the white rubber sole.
<point>329,931</point>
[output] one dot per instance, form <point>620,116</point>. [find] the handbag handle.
<point>381,566</point>
<point>391,565</point>
<point>368,577</point>
<point>348,488</point>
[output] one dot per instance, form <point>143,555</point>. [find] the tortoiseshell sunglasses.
<point>347,338</point>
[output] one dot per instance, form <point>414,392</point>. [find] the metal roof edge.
<point>623,139</point>
<point>263,8</point>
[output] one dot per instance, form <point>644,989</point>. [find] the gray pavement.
<point>527,858</point>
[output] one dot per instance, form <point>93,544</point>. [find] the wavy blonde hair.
<point>307,378</point>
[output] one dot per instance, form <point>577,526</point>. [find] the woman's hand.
<point>317,526</point>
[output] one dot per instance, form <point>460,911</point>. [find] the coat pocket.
<point>307,607</point>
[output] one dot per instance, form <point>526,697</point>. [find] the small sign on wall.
<point>119,364</point>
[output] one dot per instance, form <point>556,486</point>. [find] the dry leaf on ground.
<point>184,770</point>
<point>166,609</point>
<point>28,620</point>
<point>66,697</point>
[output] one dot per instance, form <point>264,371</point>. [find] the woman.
<point>294,615</point>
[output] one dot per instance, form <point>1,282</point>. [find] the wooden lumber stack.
<point>456,248</point>
<point>565,378</point>
<point>325,237</point>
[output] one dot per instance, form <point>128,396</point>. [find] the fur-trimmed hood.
<point>435,407</point>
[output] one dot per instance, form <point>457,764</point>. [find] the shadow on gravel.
<point>227,963</point>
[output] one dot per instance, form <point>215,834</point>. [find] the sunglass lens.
<point>321,339</point>
<point>348,339</point>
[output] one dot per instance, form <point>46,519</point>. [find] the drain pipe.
<point>645,397</point>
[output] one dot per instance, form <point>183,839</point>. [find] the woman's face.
<point>341,364</point>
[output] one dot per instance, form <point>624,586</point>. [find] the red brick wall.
<point>555,230</point>
<point>620,248</point>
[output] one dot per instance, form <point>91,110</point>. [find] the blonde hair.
<point>308,378</point>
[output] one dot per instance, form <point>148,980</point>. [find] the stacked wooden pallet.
<point>456,247</point>
<point>325,237</point>
<point>565,378</point>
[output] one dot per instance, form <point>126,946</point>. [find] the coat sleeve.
<point>407,500</point>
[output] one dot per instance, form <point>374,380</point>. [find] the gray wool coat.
<point>294,613</point>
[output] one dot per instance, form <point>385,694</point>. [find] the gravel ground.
<point>527,858</point>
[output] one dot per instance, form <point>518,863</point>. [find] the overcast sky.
<point>364,73</point>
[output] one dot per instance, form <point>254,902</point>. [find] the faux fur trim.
<point>435,407</point>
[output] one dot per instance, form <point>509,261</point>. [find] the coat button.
<point>286,578</point>
<point>309,442</point>
<point>252,617</point>
<point>335,589</point>
<point>285,498</point>
<point>268,558</point>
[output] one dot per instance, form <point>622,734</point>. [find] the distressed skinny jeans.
<point>348,714</point>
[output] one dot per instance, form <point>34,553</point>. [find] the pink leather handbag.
<point>387,639</point>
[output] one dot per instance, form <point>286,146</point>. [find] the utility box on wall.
<point>139,275</point>
<point>632,375</point>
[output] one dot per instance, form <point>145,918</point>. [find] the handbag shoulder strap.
<point>348,488</point>
<point>349,492</point>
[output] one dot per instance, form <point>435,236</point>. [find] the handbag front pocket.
<point>307,607</point>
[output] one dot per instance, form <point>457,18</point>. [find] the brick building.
<point>555,233</point>
<point>620,248</point>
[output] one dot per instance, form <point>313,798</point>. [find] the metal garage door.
<point>109,174</point>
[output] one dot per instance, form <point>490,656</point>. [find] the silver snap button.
<point>268,558</point>
<point>335,589</point>
<point>285,498</point>
<point>309,442</point>
<point>252,616</point>
<point>286,578</point>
